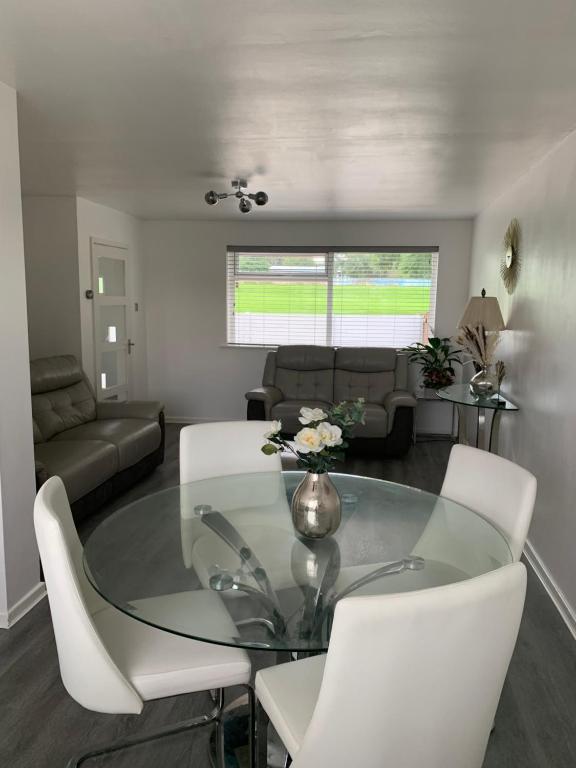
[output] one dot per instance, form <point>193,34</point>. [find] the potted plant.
<point>436,359</point>
<point>318,445</point>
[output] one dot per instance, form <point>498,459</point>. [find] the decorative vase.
<point>484,383</point>
<point>315,506</point>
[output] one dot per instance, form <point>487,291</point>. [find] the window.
<point>339,298</point>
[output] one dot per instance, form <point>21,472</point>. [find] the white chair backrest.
<point>496,488</point>
<point>224,448</point>
<point>88,672</point>
<point>414,679</point>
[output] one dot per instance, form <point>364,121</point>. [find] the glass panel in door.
<point>113,372</point>
<point>112,342</point>
<point>111,276</point>
<point>112,324</point>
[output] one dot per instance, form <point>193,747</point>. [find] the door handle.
<point>130,345</point>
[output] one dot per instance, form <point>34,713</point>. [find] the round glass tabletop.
<point>219,560</point>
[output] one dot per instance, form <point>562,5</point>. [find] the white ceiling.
<point>352,108</point>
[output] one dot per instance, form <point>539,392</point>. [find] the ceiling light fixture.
<point>239,191</point>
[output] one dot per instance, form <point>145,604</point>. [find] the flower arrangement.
<point>479,344</point>
<point>436,359</point>
<point>323,437</point>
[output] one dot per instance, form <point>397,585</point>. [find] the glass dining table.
<point>234,535</point>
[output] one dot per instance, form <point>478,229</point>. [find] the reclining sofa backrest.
<point>308,372</point>
<point>366,372</point>
<point>61,396</point>
<point>301,372</point>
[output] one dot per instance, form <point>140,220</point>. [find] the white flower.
<point>308,441</point>
<point>308,415</point>
<point>275,427</point>
<point>330,434</point>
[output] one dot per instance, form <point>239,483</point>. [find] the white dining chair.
<point>224,448</point>
<point>258,510</point>
<point>111,662</point>
<point>499,490</point>
<point>410,680</point>
<point>455,545</point>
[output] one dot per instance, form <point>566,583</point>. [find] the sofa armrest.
<point>398,398</point>
<point>267,395</point>
<point>134,409</point>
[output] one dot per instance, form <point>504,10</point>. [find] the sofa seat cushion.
<point>133,438</point>
<point>288,412</point>
<point>82,465</point>
<point>376,425</point>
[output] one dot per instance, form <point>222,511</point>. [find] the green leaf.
<point>269,449</point>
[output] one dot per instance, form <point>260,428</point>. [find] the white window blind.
<point>377,298</point>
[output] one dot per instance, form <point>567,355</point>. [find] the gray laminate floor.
<point>41,726</point>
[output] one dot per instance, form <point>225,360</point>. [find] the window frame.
<point>232,275</point>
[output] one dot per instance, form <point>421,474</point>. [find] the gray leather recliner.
<point>98,449</point>
<point>317,377</point>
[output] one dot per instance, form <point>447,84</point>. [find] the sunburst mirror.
<point>510,264</point>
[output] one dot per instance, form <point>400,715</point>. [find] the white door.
<point>112,343</point>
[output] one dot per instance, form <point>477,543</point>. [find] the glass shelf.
<point>460,394</point>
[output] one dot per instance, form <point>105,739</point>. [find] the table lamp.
<point>483,310</point>
<point>479,326</point>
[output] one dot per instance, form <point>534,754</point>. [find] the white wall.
<point>99,221</point>
<point>19,568</point>
<point>188,367</point>
<point>539,345</point>
<point>51,249</point>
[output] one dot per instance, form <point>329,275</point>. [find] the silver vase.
<point>315,506</point>
<point>484,383</point>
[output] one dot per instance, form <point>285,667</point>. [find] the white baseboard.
<point>195,419</point>
<point>21,608</point>
<point>557,596</point>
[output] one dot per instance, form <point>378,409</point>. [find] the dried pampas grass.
<point>479,344</point>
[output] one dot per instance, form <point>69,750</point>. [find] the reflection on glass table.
<point>234,536</point>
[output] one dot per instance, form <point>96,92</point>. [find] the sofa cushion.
<point>133,438</point>
<point>63,409</point>
<point>82,465</point>
<point>36,432</point>
<point>50,373</point>
<point>376,422</point>
<point>364,372</point>
<point>305,372</point>
<point>365,359</point>
<point>305,357</point>
<point>373,387</point>
<point>289,410</point>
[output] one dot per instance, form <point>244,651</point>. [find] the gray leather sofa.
<point>98,449</point>
<point>317,377</point>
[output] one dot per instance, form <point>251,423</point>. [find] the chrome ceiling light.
<point>239,191</point>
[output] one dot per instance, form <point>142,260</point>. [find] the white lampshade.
<point>483,310</point>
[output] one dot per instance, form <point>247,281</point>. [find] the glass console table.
<point>488,413</point>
